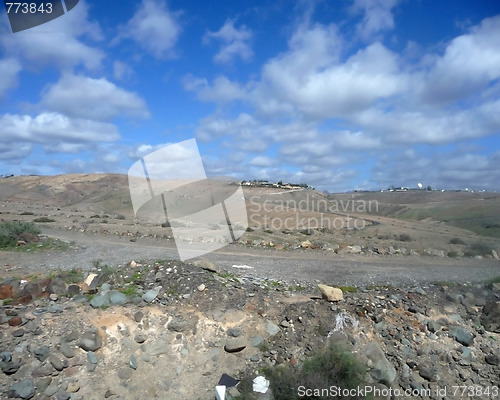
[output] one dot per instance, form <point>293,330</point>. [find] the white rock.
<point>260,384</point>
<point>201,287</point>
<point>331,293</point>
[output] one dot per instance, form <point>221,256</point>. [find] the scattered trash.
<point>220,392</point>
<point>260,384</point>
<point>341,322</point>
<point>242,266</point>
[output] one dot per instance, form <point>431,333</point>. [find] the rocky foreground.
<point>170,330</point>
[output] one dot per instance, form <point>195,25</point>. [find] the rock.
<point>429,374</point>
<point>74,290</point>
<point>92,357</point>
<point>53,297</point>
<point>330,293</point>
<point>24,389</point>
<point>178,325</point>
<point>42,353</point>
<point>6,291</point>
<point>206,265</point>
<point>138,316</point>
<point>73,387</point>
<point>433,326</point>
<point>99,301</point>
<point>140,338</point>
<point>235,344</point>
<point>493,359</point>
<point>306,244</point>
<point>272,329</point>
<point>234,332</point>
<point>32,289</point>
<point>125,373</point>
<point>132,362</point>
<point>63,395</point>
<point>18,332</point>
<point>201,287</point>
<point>157,348</point>
<point>117,298</point>
<point>57,286</point>
<point>495,254</point>
<point>256,341</point>
<point>383,371</point>
<point>462,336</point>
<point>150,295</point>
<point>91,341</point>
<point>67,350</point>
<point>15,321</point>
<point>58,362</point>
<point>490,317</point>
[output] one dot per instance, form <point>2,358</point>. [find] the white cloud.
<point>222,90</point>
<point>57,42</point>
<point>377,17</point>
<point>234,42</point>
<point>469,63</point>
<point>122,71</point>
<point>97,99</point>
<point>154,28</point>
<point>9,68</point>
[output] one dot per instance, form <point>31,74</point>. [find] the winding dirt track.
<point>302,265</point>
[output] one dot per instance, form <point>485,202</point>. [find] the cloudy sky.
<point>339,94</point>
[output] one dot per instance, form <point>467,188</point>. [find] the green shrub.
<point>456,241</point>
<point>333,366</point>
<point>26,213</point>
<point>452,254</point>
<point>12,231</point>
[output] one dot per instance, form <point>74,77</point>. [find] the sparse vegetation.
<point>12,231</point>
<point>26,213</point>
<point>404,237</point>
<point>333,366</point>
<point>452,254</point>
<point>457,241</point>
<point>348,289</point>
<point>478,249</point>
<point>44,219</point>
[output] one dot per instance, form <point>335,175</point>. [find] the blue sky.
<point>341,95</point>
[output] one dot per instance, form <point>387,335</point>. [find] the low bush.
<point>333,366</point>
<point>456,241</point>
<point>478,249</point>
<point>44,219</point>
<point>404,237</point>
<point>12,231</point>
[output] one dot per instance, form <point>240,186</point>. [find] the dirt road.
<point>300,265</point>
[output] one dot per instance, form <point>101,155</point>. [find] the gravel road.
<point>300,266</point>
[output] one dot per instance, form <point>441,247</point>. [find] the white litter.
<point>220,392</point>
<point>260,384</point>
<point>341,322</point>
<point>242,266</point>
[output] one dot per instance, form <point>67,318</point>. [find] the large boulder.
<point>382,369</point>
<point>491,316</point>
<point>331,293</point>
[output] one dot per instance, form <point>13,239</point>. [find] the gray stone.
<point>117,298</point>
<point>433,326</point>
<point>18,332</point>
<point>256,341</point>
<point>43,383</point>
<point>57,286</point>
<point>67,350</point>
<point>100,301</point>
<point>235,344</point>
<point>462,336</point>
<point>92,357</point>
<point>493,359</point>
<point>125,373</point>
<point>150,295</point>
<point>51,389</point>
<point>63,395</point>
<point>490,317</point>
<point>138,316</point>
<point>57,361</point>
<point>157,348</point>
<point>132,362</point>
<point>234,332</point>
<point>272,329</point>
<point>24,389</point>
<point>206,265</point>
<point>383,371</point>
<point>429,374</point>
<point>91,341</point>
<point>178,325</point>
<point>140,338</point>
